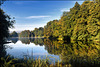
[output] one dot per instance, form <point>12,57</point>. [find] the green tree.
<point>14,34</point>
<point>5,24</point>
<point>82,22</point>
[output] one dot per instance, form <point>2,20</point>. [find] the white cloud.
<point>65,9</point>
<point>32,17</point>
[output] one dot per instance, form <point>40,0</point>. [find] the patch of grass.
<point>13,62</point>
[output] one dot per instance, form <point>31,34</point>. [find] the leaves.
<point>81,23</point>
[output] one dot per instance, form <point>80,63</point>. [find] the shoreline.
<point>26,37</point>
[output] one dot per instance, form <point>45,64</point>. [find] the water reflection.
<point>13,40</point>
<point>25,40</point>
<point>29,47</point>
<point>36,41</point>
<point>78,54</point>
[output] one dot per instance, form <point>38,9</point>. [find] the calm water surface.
<point>78,54</point>
<point>28,47</point>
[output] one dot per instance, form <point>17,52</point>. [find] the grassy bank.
<point>14,62</point>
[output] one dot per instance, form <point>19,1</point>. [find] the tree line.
<point>82,22</point>
<point>37,32</point>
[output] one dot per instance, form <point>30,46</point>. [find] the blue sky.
<point>32,14</point>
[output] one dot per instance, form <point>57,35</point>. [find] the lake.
<point>74,53</point>
<point>29,48</point>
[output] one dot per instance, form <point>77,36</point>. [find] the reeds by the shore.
<point>13,62</point>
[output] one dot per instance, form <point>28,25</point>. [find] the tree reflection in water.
<point>36,41</point>
<point>78,54</point>
<point>13,40</point>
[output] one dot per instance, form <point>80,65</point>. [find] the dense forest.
<point>82,22</point>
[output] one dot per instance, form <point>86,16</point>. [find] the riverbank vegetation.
<point>82,22</point>
<point>12,62</point>
<point>74,54</point>
<point>13,34</point>
<point>38,32</point>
